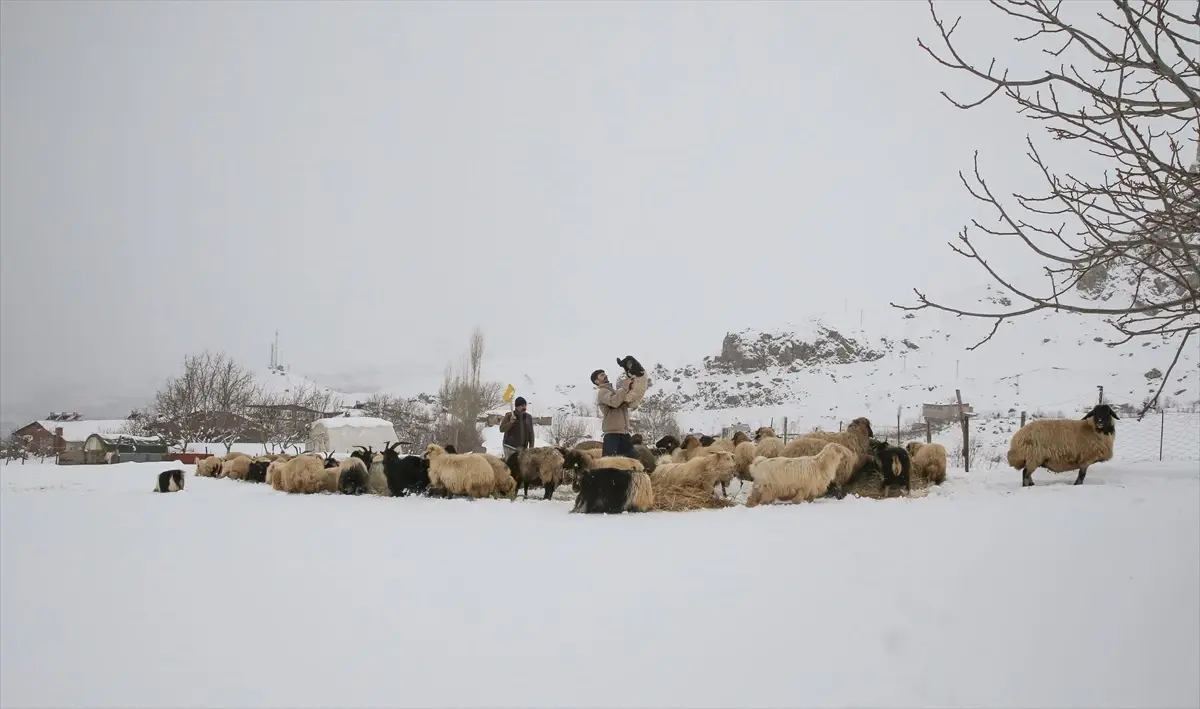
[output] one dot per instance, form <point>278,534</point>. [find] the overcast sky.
<point>582,180</point>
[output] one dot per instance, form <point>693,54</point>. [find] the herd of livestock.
<point>672,474</point>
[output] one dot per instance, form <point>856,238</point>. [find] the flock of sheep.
<point>671,475</point>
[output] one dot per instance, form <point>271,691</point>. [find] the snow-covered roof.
<point>353,422</point>
<point>78,431</point>
<point>112,437</point>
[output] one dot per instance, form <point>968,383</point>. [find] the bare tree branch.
<point>1129,239</point>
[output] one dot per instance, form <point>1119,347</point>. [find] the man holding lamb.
<point>614,408</point>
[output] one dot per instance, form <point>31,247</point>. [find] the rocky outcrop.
<point>758,352</point>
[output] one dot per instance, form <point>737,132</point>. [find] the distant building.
<point>111,448</point>
<point>944,412</point>
<point>61,432</point>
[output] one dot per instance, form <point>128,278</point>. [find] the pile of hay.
<point>683,498</point>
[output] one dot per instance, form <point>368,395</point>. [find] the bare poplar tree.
<point>1129,240</point>
<point>463,396</point>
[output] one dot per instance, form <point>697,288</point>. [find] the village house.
<point>66,431</point>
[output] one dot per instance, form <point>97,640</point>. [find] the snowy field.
<point>231,594</point>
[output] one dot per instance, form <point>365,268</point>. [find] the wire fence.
<point>1167,436</point>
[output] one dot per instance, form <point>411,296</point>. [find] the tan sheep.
<point>745,453</point>
<point>236,467</point>
<point>928,463</point>
<point>505,483</point>
<point>796,479</point>
<point>305,475</point>
<point>594,447</point>
<point>856,437</point>
<point>619,462</point>
<point>274,478</point>
<point>209,467</point>
<point>539,466</point>
<point>704,471</point>
<point>236,454</point>
<point>459,473</point>
<point>690,448</point>
<point>1059,445</point>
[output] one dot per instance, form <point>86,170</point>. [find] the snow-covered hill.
<point>833,366</point>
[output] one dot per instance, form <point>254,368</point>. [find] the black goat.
<point>406,475</point>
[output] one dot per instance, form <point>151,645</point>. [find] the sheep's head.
<point>862,427</point>
<point>636,439</point>
<point>1102,416</point>
<point>576,460</point>
<point>433,450</point>
<point>876,447</point>
<point>707,441</point>
<point>764,432</point>
<point>836,453</point>
<point>689,442</point>
<point>449,448</point>
<point>912,447</point>
<point>668,443</point>
<point>740,437</point>
<point>330,461</point>
<point>721,464</point>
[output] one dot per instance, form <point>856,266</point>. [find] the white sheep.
<point>1059,445</point>
<point>796,479</point>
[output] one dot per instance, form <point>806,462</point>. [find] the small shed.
<point>122,448</point>
<point>944,412</point>
<point>342,433</point>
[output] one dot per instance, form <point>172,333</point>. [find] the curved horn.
<point>364,448</point>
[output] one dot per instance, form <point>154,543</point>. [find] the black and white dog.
<point>169,481</point>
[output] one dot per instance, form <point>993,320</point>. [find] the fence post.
<point>839,426</point>
<point>1022,419</point>
<point>962,421</point>
<point>898,425</point>
<point>785,433</point>
<point>1162,427</point>
<point>928,432</point>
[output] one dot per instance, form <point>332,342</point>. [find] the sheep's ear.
<point>1114,414</point>
<point>1088,415</point>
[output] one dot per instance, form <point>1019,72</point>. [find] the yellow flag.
<point>508,393</point>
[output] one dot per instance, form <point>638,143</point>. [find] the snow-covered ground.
<point>231,594</point>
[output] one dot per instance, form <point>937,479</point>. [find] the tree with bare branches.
<point>283,418</point>
<point>566,430</point>
<point>1126,244</point>
<point>463,396</point>
<point>413,421</point>
<point>208,401</point>
<point>656,416</point>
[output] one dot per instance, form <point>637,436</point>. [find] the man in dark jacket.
<point>517,428</point>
